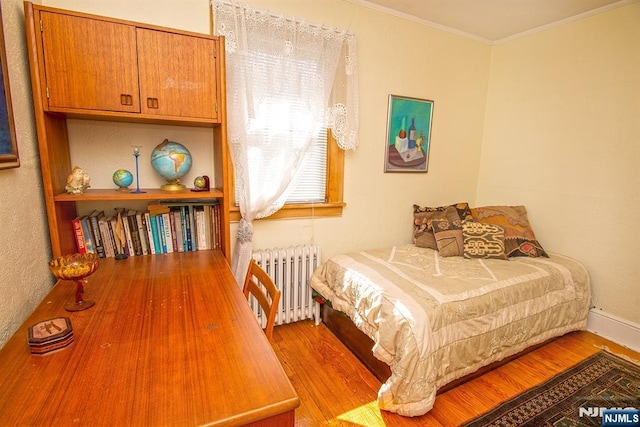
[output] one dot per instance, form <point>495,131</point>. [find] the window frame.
<point>334,190</point>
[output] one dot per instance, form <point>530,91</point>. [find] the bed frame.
<point>361,345</point>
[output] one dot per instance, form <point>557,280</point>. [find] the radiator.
<point>290,269</point>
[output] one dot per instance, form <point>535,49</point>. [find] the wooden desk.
<point>170,341</point>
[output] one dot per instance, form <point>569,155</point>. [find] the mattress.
<point>434,319</point>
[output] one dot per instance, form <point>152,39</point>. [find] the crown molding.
<point>409,17</point>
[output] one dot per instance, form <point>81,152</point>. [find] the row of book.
<point>163,228</point>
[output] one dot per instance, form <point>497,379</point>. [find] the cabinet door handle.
<point>126,99</point>
<point>152,103</point>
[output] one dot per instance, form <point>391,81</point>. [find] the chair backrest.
<point>268,300</point>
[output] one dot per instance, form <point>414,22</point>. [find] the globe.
<point>122,178</point>
<point>172,161</point>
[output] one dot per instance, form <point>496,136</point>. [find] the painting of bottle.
<point>408,134</point>
<point>412,133</point>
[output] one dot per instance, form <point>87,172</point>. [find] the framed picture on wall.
<point>408,134</point>
<point>8,146</point>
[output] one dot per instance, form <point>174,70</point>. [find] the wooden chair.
<point>255,277</point>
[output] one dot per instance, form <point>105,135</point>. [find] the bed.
<point>434,317</point>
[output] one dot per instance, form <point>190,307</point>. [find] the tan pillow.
<point>422,217</point>
<point>483,240</point>
<point>448,236</point>
<point>519,239</point>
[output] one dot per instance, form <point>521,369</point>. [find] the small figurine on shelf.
<point>77,181</point>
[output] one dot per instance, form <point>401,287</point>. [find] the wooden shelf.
<point>82,83</point>
<point>150,194</point>
<point>132,117</point>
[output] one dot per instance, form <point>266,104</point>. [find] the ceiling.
<point>493,21</point>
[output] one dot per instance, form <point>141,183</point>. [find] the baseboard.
<point>619,330</point>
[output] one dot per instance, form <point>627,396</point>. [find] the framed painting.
<point>408,134</point>
<point>8,146</point>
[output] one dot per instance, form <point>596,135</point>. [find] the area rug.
<point>573,397</point>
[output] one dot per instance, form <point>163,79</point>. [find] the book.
<point>161,235</point>
<point>178,236</point>
<point>134,232</point>
<point>107,239</point>
<point>156,208</point>
<point>122,219</point>
<point>111,221</point>
<point>183,224</point>
<point>217,239</point>
<point>168,238</point>
<point>192,226</point>
<point>97,235</point>
<point>155,233</point>
<point>198,228</point>
<point>152,246</point>
<point>142,230</point>
<point>208,222</point>
<point>201,230</point>
<point>174,237</point>
<point>187,231</point>
<point>79,235</point>
<point>87,234</point>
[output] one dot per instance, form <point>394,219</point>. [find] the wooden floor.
<point>335,389</point>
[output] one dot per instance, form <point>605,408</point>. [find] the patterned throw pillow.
<point>519,238</point>
<point>423,216</point>
<point>448,236</point>
<point>483,240</point>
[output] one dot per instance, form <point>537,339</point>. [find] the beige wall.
<point>398,57</point>
<point>24,238</point>
<point>563,138</point>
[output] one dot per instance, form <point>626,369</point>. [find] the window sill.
<point>306,210</point>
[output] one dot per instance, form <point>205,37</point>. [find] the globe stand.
<point>173,186</point>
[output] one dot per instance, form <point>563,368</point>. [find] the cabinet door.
<point>177,74</point>
<point>89,64</point>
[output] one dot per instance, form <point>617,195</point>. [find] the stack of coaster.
<point>50,335</point>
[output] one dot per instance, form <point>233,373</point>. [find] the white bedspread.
<point>435,319</point>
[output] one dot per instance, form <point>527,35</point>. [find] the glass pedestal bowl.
<point>75,267</point>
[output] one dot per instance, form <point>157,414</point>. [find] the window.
<point>312,183</point>
<point>327,167</point>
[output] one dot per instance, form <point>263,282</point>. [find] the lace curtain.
<point>286,80</point>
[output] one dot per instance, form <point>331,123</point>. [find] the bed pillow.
<point>423,216</point>
<point>483,240</point>
<point>519,238</point>
<point>448,237</point>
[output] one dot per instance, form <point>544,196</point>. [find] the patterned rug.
<point>573,397</point>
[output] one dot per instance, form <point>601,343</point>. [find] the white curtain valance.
<point>247,29</point>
